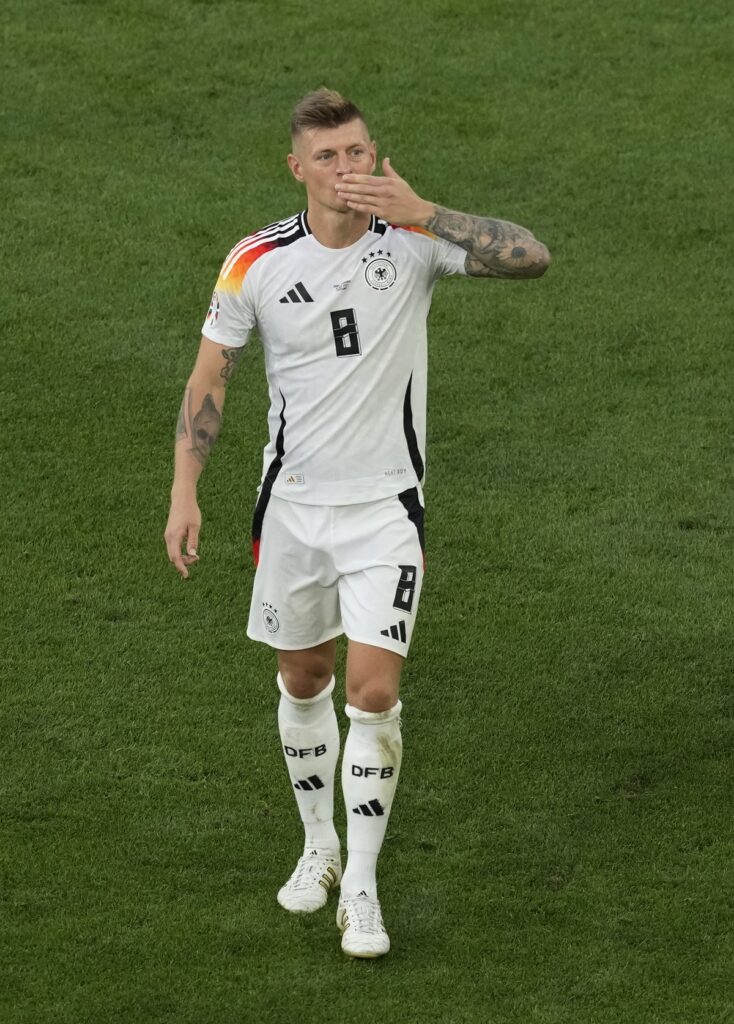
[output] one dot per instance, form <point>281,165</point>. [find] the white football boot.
<point>359,919</point>
<point>308,887</point>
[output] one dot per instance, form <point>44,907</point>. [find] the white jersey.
<point>344,336</point>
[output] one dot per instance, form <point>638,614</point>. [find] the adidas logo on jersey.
<point>373,809</point>
<point>297,294</point>
<point>312,782</point>
<point>396,632</point>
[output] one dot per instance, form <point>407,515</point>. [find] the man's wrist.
<point>183,490</point>
<point>427,212</point>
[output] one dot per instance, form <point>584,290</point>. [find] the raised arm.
<point>494,248</point>
<point>199,420</point>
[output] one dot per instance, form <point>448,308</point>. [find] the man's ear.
<point>295,165</point>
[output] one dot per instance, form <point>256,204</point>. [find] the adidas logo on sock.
<point>373,809</point>
<point>396,632</point>
<point>297,294</point>
<point>312,782</point>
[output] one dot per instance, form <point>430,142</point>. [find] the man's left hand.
<point>391,198</point>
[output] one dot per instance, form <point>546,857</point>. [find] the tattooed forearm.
<point>495,248</point>
<point>231,357</point>
<point>204,429</point>
<point>200,428</point>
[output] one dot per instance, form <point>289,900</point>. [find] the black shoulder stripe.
<point>282,232</point>
<point>378,226</point>
<point>300,230</point>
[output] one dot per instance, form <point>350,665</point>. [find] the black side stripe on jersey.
<point>269,479</point>
<point>413,449</point>
<point>412,505</point>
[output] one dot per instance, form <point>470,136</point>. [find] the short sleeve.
<point>447,258</point>
<point>231,314</point>
<point>441,258</point>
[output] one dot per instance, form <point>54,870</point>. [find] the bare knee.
<point>373,677</point>
<point>373,695</point>
<point>306,673</point>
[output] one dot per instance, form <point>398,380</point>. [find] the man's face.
<point>322,156</point>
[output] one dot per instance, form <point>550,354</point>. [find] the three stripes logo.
<point>373,809</point>
<point>297,294</point>
<point>328,879</point>
<point>396,632</point>
<point>312,782</point>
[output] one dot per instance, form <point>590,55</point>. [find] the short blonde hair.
<point>323,108</point>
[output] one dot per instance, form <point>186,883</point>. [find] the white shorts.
<point>323,570</point>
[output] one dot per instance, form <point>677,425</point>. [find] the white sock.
<point>370,768</point>
<point>310,738</point>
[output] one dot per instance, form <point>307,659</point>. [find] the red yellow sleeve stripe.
<point>238,263</point>
<point>418,231</point>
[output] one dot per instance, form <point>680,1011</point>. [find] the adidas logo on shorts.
<point>396,632</point>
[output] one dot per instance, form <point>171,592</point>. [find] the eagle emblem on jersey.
<point>380,273</point>
<point>213,314</point>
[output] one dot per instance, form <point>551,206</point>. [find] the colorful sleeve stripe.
<point>250,249</point>
<point>418,231</point>
<point>235,269</point>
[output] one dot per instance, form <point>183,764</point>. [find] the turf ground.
<point>561,847</point>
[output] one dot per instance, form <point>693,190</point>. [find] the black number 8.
<point>346,335</point>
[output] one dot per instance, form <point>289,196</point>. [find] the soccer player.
<point>339,293</point>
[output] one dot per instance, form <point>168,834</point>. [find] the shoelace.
<point>306,868</point>
<point>364,914</point>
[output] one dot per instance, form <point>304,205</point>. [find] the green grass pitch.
<point>561,846</point>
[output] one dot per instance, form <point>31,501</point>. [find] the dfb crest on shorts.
<point>270,619</point>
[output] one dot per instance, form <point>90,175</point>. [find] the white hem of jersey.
<point>355,493</point>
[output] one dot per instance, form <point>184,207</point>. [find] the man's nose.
<point>342,164</point>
